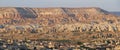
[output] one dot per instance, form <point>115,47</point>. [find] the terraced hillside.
<point>82,24</point>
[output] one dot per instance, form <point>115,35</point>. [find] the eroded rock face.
<point>56,20</point>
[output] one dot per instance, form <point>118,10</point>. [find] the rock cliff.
<point>50,22</point>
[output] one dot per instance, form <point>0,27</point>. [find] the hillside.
<point>81,24</point>
<point>57,15</point>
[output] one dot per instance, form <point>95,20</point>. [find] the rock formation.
<point>56,23</point>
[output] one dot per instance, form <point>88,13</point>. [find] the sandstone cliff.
<point>50,22</point>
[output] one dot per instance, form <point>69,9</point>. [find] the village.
<point>54,45</point>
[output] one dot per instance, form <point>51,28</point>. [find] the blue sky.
<point>110,5</point>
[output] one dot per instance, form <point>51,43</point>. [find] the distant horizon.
<point>108,5</point>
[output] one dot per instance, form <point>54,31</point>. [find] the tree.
<point>79,43</point>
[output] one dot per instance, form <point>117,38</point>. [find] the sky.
<point>109,5</point>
